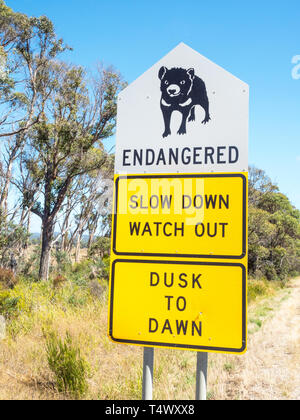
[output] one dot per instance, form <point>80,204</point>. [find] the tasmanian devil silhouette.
<point>181,91</point>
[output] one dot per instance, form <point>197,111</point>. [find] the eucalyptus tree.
<point>274,229</point>
<point>67,142</point>
<point>87,203</point>
<point>27,45</point>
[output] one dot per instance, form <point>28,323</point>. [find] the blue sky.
<point>254,40</point>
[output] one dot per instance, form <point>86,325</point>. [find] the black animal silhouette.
<point>181,91</point>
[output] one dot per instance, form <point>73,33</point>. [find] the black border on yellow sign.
<point>181,346</point>
<point>244,217</point>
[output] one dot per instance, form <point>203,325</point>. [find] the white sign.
<point>184,115</point>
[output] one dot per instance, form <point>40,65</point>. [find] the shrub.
<point>256,288</point>
<point>270,272</point>
<point>8,304</point>
<point>58,281</point>
<point>105,268</point>
<point>67,364</point>
<point>96,289</point>
<point>63,261</point>
<point>30,267</point>
<point>90,270</point>
<point>100,248</point>
<point>83,267</point>
<point>81,272</point>
<point>7,278</point>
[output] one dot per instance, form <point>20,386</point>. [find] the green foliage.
<point>67,143</point>
<point>8,304</point>
<point>100,248</point>
<point>63,261</point>
<point>69,367</point>
<point>12,237</point>
<point>9,301</point>
<point>58,113</point>
<point>29,269</point>
<point>105,268</point>
<point>274,230</point>
<point>38,303</point>
<point>81,272</point>
<point>28,44</point>
<point>100,255</point>
<point>261,288</point>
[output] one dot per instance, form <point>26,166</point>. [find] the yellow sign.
<point>189,305</point>
<point>193,216</point>
<point>179,261</point>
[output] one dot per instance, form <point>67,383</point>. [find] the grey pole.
<point>148,373</point>
<point>201,376</point>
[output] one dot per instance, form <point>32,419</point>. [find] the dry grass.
<point>117,369</point>
<point>270,370</point>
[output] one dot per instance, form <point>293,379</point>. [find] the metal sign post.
<point>148,373</point>
<point>201,376</point>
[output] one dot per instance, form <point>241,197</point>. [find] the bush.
<point>63,261</point>
<point>270,271</point>
<point>58,281</point>
<point>100,248</point>
<point>274,230</point>
<point>67,364</point>
<point>30,268</point>
<point>88,270</point>
<point>102,268</point>
<point>256,288</point>
<point>8,304</point>
<point>96,289</point>
<point>82,268</point>
<point>7,278</point>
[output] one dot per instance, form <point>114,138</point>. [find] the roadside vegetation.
<point>56,344</point>
<point>54,120</point>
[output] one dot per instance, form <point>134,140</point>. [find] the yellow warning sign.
<point>189,305</point>
<point>193,216</point>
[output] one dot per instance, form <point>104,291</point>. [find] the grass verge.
<point>72,309</point>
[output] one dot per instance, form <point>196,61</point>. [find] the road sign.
<point>179,233</point>
<point>194,216</point>
<point>187,305</point>
<point>185,115</point>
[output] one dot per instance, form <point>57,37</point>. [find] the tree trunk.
<point>78,246</point>
<point>91,238</point>
<point>65,233</point>
<point>28,228</point>
<point>47,235</point>
<point>65,242</point>
<point>4,195</point>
